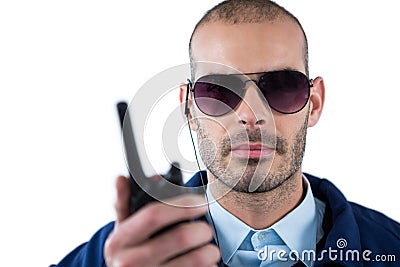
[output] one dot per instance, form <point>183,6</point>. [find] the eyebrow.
<point>249,73</point>
<point>257,72</point>
<point>266,71</point>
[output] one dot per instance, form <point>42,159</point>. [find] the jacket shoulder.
<point>378,234</point>
<point>371,220</point>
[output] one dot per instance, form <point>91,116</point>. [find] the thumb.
<point>122,202</point>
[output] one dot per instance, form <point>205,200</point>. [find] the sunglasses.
<point>286,91</point>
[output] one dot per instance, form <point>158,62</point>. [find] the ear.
<point>317,99</point>
<point>185,98</point>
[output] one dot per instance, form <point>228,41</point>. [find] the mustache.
<point>254,136</point>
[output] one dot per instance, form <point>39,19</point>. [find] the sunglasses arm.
<point>188,88</point>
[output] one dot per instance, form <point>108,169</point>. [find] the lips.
<point>252,150</point>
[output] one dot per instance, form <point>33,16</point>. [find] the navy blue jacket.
<point>354,235</point>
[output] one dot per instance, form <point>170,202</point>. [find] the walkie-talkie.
<point>143,189</point>
<point>142,194</point>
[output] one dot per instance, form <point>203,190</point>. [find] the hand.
<point>186,244</point>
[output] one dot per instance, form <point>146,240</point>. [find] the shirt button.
<point>262,236</point>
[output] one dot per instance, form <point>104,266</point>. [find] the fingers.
<point>132,242</point>
<point>156,216</point>
<point>122,202</point>
<point>185,238</point>
<point>179,240</point>
<point>208,255</point>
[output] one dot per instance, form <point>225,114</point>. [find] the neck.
<point>261,210</point>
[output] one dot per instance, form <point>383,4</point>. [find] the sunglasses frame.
<point>191,85</point>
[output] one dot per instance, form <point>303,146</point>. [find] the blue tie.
<point>261,249</point>
<point>245,255</point>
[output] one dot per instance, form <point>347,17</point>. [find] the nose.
<point>253,110</point>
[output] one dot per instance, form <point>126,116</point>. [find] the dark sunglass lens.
<point>216,95</point>
<point>285,91</point>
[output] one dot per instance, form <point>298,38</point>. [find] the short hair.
<point>248,11</point>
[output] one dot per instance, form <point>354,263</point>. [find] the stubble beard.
<point>272,172</point>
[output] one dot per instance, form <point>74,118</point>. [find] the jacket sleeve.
<point>90,253</point>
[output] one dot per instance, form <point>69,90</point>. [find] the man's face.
<point>253,145</point>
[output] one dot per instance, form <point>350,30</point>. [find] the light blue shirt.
<point>300,230</point>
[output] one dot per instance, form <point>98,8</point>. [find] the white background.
<point>64,65</point>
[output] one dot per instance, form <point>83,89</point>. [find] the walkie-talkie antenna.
<point>138,196</point>
<point>129,142</point>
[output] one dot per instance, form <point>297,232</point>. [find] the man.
<point>268,213</point>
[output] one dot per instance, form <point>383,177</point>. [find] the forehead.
<point>250,47</point>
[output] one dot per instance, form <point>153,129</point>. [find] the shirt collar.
<point>226,224</point>
<point>298,229</point>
